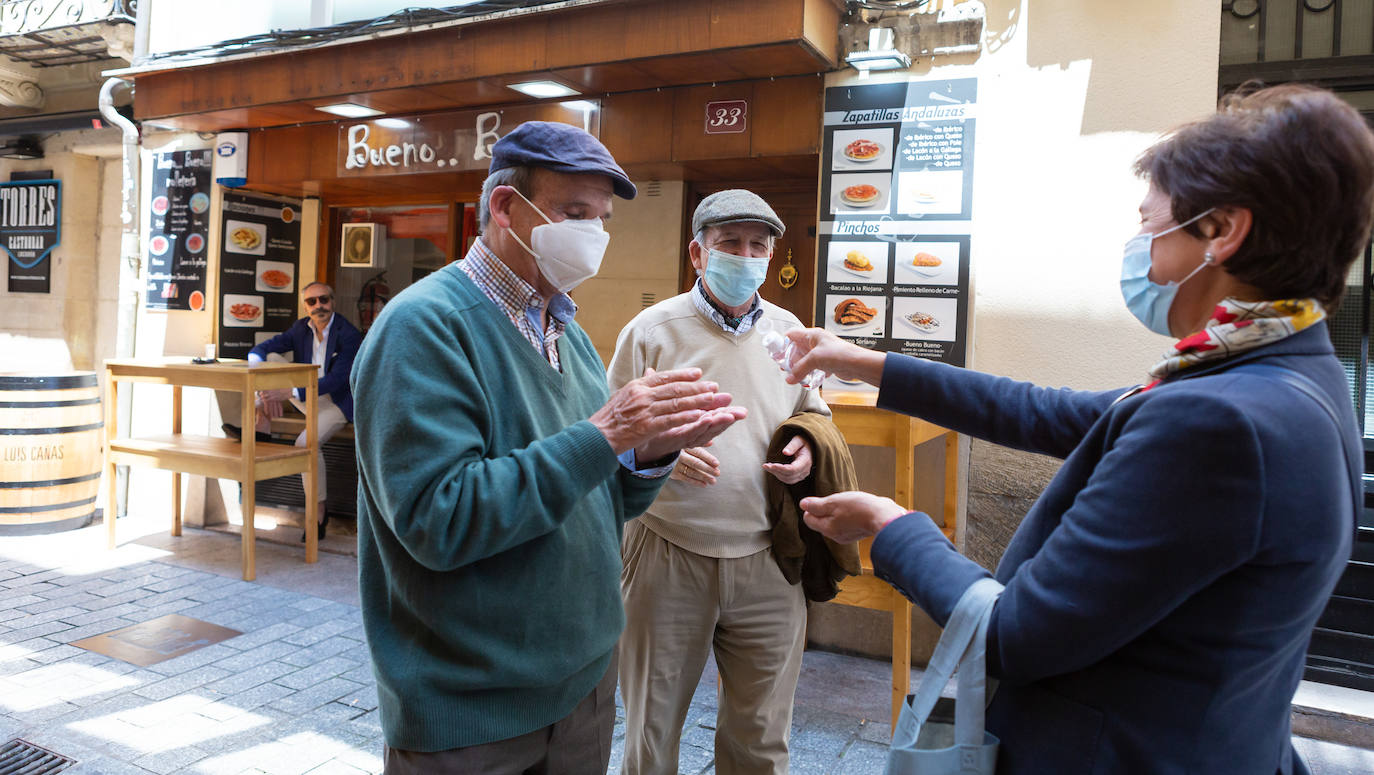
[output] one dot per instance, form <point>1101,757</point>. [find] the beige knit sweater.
<point>727,519</point>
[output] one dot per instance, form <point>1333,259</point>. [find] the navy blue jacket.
<point>1161,593</point>
<point>340,351</point>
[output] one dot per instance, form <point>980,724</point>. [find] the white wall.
<point>1069,93</point>
<point>72,325</point>
<point>180,25</point>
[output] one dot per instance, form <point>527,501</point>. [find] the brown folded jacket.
<point>803,554</point>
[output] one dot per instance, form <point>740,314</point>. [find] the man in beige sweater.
<point>699,575</point>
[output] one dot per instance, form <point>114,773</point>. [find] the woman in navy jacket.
<point>1161,593</point>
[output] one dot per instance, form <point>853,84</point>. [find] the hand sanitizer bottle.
<point>781,350</point>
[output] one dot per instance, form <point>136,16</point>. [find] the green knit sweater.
<point>489,519</point>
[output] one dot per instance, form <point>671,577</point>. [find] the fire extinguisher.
<point>374,295</point>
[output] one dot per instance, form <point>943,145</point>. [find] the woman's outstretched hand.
<point>846,517</point>
<point>817,348</point>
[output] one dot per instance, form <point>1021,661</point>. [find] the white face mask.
<point>567,252</point>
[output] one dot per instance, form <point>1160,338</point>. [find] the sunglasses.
<point>311,301</point>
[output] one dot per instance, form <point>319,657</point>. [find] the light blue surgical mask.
<point>1148,300</point>
<point>734,279</point>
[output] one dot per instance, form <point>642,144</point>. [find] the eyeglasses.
<point>311,301</point>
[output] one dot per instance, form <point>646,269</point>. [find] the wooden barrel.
<point>52,431</point>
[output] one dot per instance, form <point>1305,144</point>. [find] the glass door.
<point>376,252</point>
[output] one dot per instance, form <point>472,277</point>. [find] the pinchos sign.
<point>439,142</point>
<point>896,201</point>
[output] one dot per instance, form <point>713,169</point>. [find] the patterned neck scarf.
<point>1236,327</point>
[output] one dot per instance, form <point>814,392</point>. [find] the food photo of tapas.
<point>926,192</point>
<point>862,149</point>
<point>245,237</point>
<point>864,261</point>
<point>275,276</point>
<point>858,264</point>
<point>925,317</point>
<point>933,262</point>
<point>924,322</point>
<point>860,193</point>
<point>242,310</point>
<point>855,315</point>
<point>925,264</point>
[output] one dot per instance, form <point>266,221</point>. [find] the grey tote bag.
<point>922,745</point>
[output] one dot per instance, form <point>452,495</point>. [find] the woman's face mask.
<point>734,279</point>
<point>1148,300</point>
<point>568,252</point>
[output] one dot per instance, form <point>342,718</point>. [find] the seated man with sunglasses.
<point>329,342</point>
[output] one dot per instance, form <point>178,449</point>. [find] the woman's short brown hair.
<point>1301,160</point>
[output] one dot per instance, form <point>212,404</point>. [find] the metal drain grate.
<point>20,757</point>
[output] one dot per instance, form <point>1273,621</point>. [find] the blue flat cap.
<point>561,148</point>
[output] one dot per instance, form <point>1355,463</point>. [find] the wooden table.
<point>866,425</point>
<point>246,461</point>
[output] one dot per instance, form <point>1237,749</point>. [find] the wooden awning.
<point>598,49</point>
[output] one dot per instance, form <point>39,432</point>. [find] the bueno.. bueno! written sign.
<point>439,142</point>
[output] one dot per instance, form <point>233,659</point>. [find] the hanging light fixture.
<point>881,53</point>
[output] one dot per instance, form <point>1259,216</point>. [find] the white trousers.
<point>329,418</point>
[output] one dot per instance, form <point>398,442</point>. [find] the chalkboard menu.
<point>178,231</point>
<point>30,227</point>
<point>896,193</point>
<point>260,248</point>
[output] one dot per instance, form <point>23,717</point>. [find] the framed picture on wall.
<point>361,245</point>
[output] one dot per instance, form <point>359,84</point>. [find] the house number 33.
<point>726,117</point>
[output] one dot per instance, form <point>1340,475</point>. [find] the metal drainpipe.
<point>129,259</point>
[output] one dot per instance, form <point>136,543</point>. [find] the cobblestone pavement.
<point>294,693</point>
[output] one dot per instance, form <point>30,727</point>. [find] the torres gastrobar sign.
<point>30,227</point>
<point>440,142</point>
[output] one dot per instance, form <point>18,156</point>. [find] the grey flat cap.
<point>733,206</point>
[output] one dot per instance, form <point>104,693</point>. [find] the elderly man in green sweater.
<point>699,574</point>
<point>495,474</point>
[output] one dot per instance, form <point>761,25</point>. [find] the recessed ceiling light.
<point>543,89</point>
<point>349,110</point>
<point>393,123</point>
<point>582,105</point>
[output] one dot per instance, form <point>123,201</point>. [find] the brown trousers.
<point>577,744</point>
<point>679,607</point>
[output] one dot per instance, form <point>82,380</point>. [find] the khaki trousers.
<point>681,606</point>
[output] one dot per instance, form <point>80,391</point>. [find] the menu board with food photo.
<point>896,196</point>
<point>178,230</point>
<point>260,253</point>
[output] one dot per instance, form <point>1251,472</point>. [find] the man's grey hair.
<point>325,285</point>
<point>518,178</point>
